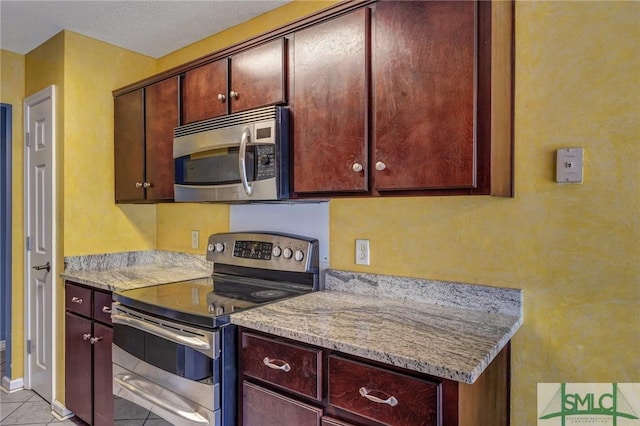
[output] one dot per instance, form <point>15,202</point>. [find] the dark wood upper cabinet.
<point>129,146</point>
<point>161,117</point>
<point>250,79</point>
<point>204,92</point>
<point>440,104</point>
<point>144,120</point>
<point>329,105</point>
<point>258,76</point>
<point>386,98</point>
<point>424,105</point>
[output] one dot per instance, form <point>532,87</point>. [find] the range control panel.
<point>282,252</point>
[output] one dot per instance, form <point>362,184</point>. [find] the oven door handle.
<point>242,165</point>
<point>181,338</point>
<point>178,406</point>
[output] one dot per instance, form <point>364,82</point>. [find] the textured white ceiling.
<point>153,28</point>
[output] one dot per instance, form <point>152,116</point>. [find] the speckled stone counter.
<point>448,330</point>
<point>123,271</point>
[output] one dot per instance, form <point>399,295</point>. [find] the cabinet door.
<point>329,102</point>
<point>129,146</point>
<point>78,386</point>
<point>204,92</point>
<point>261,407</point>
<point>161,112</point>
<point>258,76</point>
<point>102,376</point>
<point>423,71</point>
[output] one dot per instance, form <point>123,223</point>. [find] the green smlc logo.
<point>565,405</point>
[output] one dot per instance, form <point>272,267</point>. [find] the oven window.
<point>215,167</point>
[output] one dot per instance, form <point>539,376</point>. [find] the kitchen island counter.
<point>447,330</point>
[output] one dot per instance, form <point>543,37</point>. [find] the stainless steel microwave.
<point>236,158</point>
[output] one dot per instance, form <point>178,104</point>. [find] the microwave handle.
<point>246,134</point>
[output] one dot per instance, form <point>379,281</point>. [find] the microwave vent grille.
<point>237,119</point>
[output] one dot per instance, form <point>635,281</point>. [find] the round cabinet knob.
<point>138,184</point>
<point>221,97</point>
<point>287,253</point>
<point>357,167</point>
<point>219,247</point>
<point>380,166</point>
<point>146,185</point>
<point>298,255</point>
<point>211,247</point>
<point>277,251</point>
<point>233,94</point>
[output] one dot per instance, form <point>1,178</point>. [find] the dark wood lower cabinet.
<point>359,392</point>
<point>78,394</point>
<point>88,371</point>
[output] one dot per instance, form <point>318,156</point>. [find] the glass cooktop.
<point>207,301</point>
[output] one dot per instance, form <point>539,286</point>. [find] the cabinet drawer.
<point>381,395</point>
<point>292,367</point>
<point>102,306</point>
<point>78,299</point>
<point>261,407</point>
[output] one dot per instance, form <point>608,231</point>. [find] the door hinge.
<point>28,347</point>
<point>28,139</point>
<point>28,242</point>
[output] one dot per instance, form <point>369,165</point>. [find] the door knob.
<point>380,166</point>
<point>233,94</point>
<point>46,266</point>
<point>357,167</point>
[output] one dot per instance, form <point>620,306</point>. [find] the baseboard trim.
<point>60,411</point>
<point>12,385</point>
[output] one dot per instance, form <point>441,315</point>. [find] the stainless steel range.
<point>174,346</point>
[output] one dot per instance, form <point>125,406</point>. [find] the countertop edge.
<point>244,319</point>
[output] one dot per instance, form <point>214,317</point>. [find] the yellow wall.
<point>572,248</point>
<point>93,222</point>
<point>12,77</point>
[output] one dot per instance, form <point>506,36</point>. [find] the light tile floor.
<point>27,408</point>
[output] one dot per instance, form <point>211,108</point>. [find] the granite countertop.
<point>448,330</point>
<point>124,271</point>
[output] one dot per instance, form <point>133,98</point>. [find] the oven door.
<point>168,368</point>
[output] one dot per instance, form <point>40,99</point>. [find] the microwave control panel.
<point>265,162</point>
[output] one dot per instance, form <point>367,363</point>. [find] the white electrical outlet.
<point>362,252</point>
<point>195,239</point>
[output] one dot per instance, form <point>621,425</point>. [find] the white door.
<point>40,257</point>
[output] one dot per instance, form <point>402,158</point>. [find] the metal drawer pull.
<point>106,309</point>
<point>157,395</point>
<point>94,340</point>
<point>77,300</point>
<point>392,401</point>
<point>86,336</point>
<point>269,363</point>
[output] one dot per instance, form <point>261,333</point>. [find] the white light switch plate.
<point>362,252</point>
<point>569,165</point>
